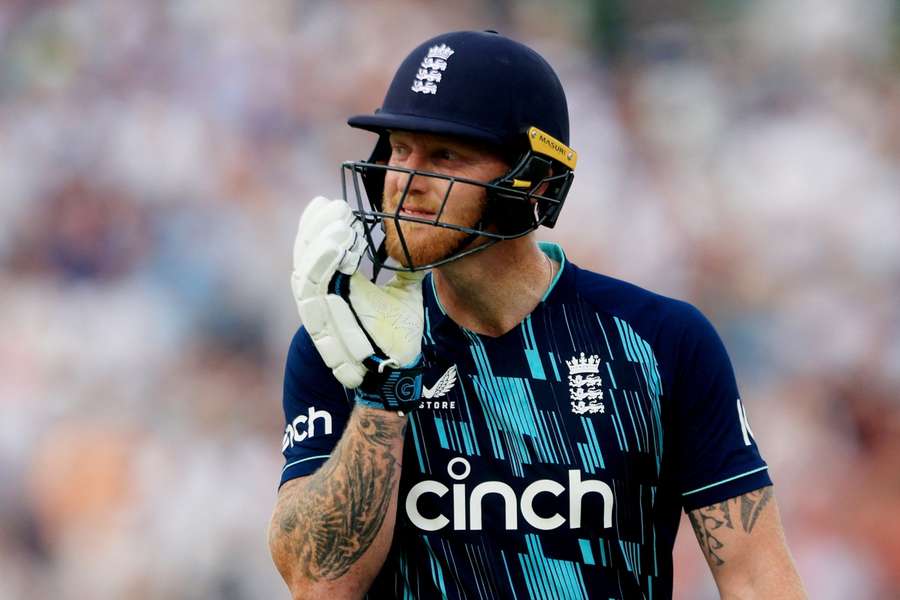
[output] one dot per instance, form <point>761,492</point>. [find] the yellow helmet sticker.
<point>547,145</point>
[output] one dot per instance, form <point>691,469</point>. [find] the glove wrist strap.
<point>389,388</point>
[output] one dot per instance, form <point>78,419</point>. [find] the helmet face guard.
<point>528,195</point>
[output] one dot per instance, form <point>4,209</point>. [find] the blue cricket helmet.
<point>483,87</point>
<point>475,84</point>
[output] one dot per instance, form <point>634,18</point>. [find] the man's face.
<point>465,205</point>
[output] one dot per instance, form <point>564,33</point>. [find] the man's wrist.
<point>390,388</point>
<point>365,401</point>
<point>394,390</point>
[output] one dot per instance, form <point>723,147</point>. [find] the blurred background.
<point>155,157</point>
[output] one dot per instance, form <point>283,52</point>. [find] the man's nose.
<point>417,183</point>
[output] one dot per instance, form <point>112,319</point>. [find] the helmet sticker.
<point>431,69</point>
<point>546,144</point>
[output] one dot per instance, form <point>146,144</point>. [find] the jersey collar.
<point>436,318</point>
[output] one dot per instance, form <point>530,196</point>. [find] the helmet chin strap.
<point>380,257</point>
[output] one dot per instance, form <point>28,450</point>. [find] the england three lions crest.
<point>584,385</point>
<point>431,70</point>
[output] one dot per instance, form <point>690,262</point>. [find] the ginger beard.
<point>428,243</point>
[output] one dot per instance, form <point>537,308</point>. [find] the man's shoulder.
<point>628,300</point>
<point>302,344</point>
<point>303,360</point>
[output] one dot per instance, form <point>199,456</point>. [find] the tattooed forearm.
<point>752,505</point>
<point>706,522</point>
<point>711,522</point>
<point>333,519</point>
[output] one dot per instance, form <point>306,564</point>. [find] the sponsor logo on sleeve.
<point>745,424</point>
<point>314,422</point>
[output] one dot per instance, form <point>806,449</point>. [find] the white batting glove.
<point>393,314</point>
<point>327,242</point>
<point>375,337</point>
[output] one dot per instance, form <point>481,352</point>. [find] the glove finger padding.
<point>329,240</point>
<point>317,215</point>
<point>393,315</point>
<point>347,328</point>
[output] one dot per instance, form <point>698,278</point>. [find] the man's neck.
<point>492,291</point>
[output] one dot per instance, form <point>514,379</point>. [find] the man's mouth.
<point>419,214</point>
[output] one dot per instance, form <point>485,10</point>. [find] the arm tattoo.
<point>709,520</point>
<point>752,505</point>
<point>706,521</point>
<point>335,517</point>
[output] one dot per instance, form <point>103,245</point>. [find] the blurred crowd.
<point>155,157</point>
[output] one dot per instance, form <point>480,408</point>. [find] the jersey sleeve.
<point>316,409</point>
<point>716,455</point>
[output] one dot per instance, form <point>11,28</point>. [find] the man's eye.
<point>398,154</point>
<point>446,154</point>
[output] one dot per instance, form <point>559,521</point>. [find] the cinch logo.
<point>304,426</point>
<point>467,515</point>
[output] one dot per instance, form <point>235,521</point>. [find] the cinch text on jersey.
<point>578,490</point>
<point>293,432</point>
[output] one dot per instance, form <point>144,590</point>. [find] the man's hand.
<point>369,336</point>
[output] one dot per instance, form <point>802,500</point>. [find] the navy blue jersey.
<point>553,461</point>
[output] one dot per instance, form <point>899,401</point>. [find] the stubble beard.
<point>427,243</point>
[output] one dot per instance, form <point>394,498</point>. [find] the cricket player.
<point>494,421</point>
